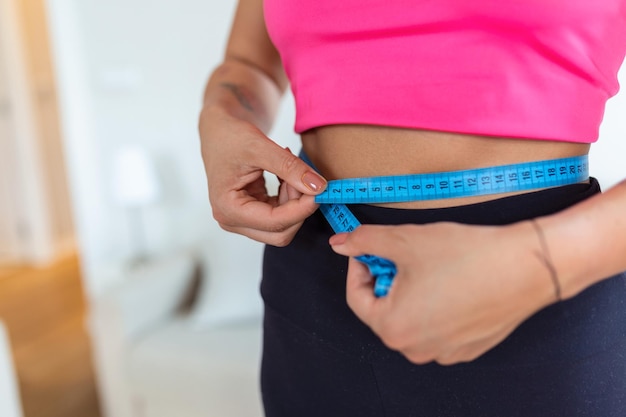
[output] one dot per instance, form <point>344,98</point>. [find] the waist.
<point>348,151</point>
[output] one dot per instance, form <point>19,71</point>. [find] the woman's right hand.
<point>236,154</point>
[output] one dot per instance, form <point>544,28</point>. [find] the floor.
<point>44,311</point>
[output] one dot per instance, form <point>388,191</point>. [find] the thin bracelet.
<point>547,259</point>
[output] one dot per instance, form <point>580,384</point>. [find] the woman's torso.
<point>531,69</point>
<point>346,151</point>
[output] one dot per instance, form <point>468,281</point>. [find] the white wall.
<point>132,71</point>
<point>608,155</point>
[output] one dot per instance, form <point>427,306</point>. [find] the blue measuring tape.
<point>434,186</point>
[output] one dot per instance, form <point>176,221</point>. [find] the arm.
<point>240,103</point>
<point>588,241</point>
<point>452,306</point>
<point>250,81</point>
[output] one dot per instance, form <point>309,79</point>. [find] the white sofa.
<point>10,405</point>
<point>154,359</point>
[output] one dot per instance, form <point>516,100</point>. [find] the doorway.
<point>35,216</point>
<point>10,244</point>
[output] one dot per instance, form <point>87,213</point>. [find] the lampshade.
<point>134,178</point>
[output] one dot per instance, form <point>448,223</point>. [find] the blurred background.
<point>119,294</point>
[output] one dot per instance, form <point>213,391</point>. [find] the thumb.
<point>360,291</point>
<point>294,171</point>
<point>377,240</point>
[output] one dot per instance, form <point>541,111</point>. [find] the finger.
<point>359,291</point>
<point>384,241</point>
<point>291,169</point>
<point>283,195</point>
<point>286,192</point>
<point>293,193</point>
<point>279,239</point>
<point>266,216</point>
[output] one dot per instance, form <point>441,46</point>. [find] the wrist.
<point>213,115</point>
<point>532,286</point>
<point>564,236</point>
<point>226,109</point>
<point>546,259</point>
<point>214,112</point>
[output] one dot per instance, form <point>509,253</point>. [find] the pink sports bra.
<point>539,69</point>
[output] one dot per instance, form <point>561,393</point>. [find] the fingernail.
<point>338,239</point>
<point>313,181</point>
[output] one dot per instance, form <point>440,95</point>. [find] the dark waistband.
<point>499,211</point>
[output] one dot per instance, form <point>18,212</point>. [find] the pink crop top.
<point>539,69</point>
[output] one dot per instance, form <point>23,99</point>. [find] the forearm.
<point>587,242</point>
<point>239,89</point>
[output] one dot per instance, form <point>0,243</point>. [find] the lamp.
<point>135,186</point>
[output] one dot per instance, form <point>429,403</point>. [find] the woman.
<point>502,304</point>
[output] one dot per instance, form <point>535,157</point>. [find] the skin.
<point>428,315</point>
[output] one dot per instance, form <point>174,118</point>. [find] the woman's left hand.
<point>459,290</point>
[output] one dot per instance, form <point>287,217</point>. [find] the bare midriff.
<point>348,151</point>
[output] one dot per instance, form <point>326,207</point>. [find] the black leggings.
<point>320,360</point>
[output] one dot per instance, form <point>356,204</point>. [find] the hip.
<point>305,282</point>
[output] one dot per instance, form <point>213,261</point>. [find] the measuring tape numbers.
<point>383,270</point>
<point>433,186</point>
<point>454,184</point>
